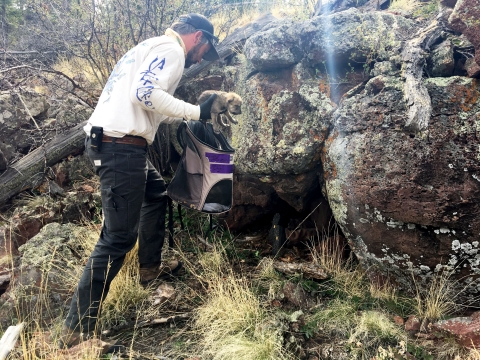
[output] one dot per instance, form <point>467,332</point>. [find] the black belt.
<point>127,139</point>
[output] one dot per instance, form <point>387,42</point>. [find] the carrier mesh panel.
<point>204,176</point>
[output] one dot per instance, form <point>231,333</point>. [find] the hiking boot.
<point>162,272</point>
<point>69,338</point>
<point>277,235</point>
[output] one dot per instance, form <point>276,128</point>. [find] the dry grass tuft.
<point>232,321</point>
<point>125,291</point>
<point>383,291</point>
<point>39,346</point>
<point>474,354</point>
<point>214,264</point>
<point>374,327</point>
<point>438,299</point>
<point>337,318</point>
<point>329,255</point>
<point>269,278</point>
<point>346,277</point>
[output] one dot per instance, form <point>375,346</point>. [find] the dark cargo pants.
<point>134,204</point>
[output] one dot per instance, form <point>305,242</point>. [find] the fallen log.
<point>30,171</point>
<point>309,270</point>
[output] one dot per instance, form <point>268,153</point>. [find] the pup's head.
<point>234,103</point>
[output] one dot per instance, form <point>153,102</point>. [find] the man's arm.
<point>151,83</point>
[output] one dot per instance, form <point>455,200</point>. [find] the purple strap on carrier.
<point>218,158</point>
<point>221,169</point>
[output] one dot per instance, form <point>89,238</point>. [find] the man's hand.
<point>206,107</point>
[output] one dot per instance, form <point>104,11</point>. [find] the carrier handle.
<point>181,128</point>
<point>170,223</point>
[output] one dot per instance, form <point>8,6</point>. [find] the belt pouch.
<point>96,135</point>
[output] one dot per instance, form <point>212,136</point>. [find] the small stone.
<point>398,320</point>
<point>276,303</point>
<point>295,294</point>
<point>86,188</point>
<point>163,293</point>
<point>472,68</point>
<point>413,324</point>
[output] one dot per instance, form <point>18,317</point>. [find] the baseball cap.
<point>201,23</point>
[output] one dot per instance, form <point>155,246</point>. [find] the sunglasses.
<point>212,38</point>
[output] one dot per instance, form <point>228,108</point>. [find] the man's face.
<point>195,55</point>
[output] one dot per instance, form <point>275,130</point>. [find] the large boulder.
<point>283,125</point>
<point>408,202</point>
<point>465,19</point>
<point>337,39</point>
<point>276,46</point>
<point>441,60</point>
<point>284,122</point>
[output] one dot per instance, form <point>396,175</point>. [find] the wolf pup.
<point>226,103</point>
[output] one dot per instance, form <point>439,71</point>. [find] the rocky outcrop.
<point>55,257</point>
<point>27,120</point>
<point>408,201</point>
<point>20,112</point>
<point>296,74</point>
<point>289,98</point>
<point>285,123</point>
<point>345,37</point>
<point>400,160</point>
<point>464,19</point>
<point>278,140</point>
<point>28,220</point>
<point>465,330</point>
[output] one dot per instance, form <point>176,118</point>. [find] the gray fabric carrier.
<point>203,179</point>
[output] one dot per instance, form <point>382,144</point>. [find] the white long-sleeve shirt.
<point>139,93</point>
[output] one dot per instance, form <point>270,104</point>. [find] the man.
<point>136,99</point>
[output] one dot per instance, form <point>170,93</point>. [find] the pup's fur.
<point>224,104</point>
